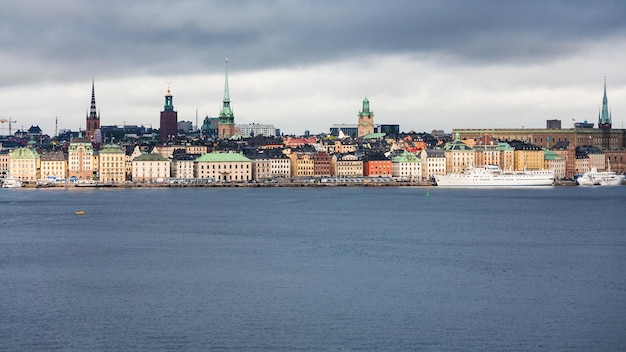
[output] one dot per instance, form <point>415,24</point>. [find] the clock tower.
<point>366,119</point>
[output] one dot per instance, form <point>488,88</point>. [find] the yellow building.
<point>302,165</point>
<point>25,164</point>
<point>53,165</point>
<point>112,164</point>
<point>348,165</point>
<point>527,156</point>
<point>458,156</point>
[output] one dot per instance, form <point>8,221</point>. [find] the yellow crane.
<point>9,120</point>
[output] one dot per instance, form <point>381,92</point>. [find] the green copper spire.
<point>226,114</point>
<point>604,117</point>
<point>366,108</point>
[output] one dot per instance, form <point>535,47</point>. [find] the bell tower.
<point>366,119</point>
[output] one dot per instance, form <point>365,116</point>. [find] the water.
<point>313,269</point>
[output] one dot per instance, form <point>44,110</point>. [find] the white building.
<point>256,129</point>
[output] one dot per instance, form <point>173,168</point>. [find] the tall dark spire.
<point>92,110</point>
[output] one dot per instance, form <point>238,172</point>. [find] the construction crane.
<point>2,120</point>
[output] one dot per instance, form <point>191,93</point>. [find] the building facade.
<point>53,165</point>
<point>224,167</point>
<point>80,159</point>
<point>407,166</point>
<point>150,167</point>
<point>112,164</point>
<point>25,164</point>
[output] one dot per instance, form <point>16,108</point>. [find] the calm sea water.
<point>313,269</point>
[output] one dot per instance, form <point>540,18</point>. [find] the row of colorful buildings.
<point>303,158</point>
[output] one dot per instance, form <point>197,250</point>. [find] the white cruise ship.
<point>492,176</point>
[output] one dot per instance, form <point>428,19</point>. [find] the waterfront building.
<point>595,155</point>
<point>527,156</point>
<point>80,159</point>
<point>365,119</point>
<point>169,120</point>
<point>227,167</point>
<point>433,163</point>
<point>346,165</point>
<point>53,165</point>
<point>4,162</point>
<point>321,164</point>
<point>25,164</point>
<point>183,165</point>
<point>459,156</point>
<point>302,164</point>
<point>261,167</point>
<point>150,167</point>
<point>226,125</point>
<point>567,150</point>
<point>112,164</point>
<point>93,117</point>
<point>581,164</point>
<point>507,156</point>
<point>377,165</point>
<point>407,166</point>
<point>487,154</point>
<point>280,165</point>
<point>131,153</point>
<point>555,162</point>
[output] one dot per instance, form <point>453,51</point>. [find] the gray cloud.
<point>73,39</point>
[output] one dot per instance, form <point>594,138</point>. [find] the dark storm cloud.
<point>43,40</point>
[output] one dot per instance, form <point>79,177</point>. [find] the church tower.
<point>93,118</point>
<point>604,117</point>
<point>366,119</point>
<point>226,125</point>
<point>168,129</point>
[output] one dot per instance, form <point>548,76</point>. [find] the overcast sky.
<point>305,65</point>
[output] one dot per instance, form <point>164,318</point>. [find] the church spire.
<point>226,114</point>
<point>604,118</point>
<point>92,110</point>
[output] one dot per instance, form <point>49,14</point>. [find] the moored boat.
<point>493,176</point>
<point>600,178</point>
<point>11,182</point>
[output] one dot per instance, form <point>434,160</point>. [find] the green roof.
<point>150,157</point>
<point>24,153</point>
<point>111,149</point>
<point>406,157</point>
<point>374,135</point>
<point>550,155</point>
<point>221,158</point>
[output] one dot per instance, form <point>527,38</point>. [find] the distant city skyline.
<point>308,65</point>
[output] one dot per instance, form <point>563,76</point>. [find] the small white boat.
<point>600,178</point>
<point>11,182</point>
